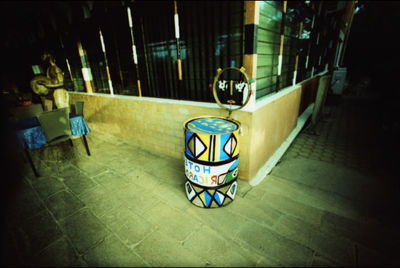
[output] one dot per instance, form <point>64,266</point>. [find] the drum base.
<point>214,197</point>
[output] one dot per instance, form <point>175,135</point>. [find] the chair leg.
<point>31,163</point>
<point>86,144</point>
<point>70,142</point>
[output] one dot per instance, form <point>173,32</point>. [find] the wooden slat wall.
<point>268,46</point>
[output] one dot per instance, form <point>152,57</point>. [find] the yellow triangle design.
<point>202,197</point>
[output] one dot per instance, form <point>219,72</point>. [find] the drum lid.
<point>212,125</point>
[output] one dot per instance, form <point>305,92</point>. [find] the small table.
<point>31,135</point>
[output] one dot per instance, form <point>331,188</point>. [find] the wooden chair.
<point>56,127</point>
<point>22,112</point>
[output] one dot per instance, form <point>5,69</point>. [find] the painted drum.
<point>211,160</point>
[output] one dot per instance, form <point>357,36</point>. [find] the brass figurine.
<point>51,87</point>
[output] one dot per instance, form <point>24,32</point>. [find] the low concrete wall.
<point>271,125</point>
<point>157,124</point>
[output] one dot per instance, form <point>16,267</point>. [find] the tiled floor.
<point>125,206</point>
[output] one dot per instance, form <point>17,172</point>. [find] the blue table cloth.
<point>31,135</point>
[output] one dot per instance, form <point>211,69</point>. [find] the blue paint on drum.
<point>188,135</point>
<point>222,155</point>
<point>211,126</point>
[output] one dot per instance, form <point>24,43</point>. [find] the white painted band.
<point>317,38</point>
<point>103,47</point>
<point>176,26</point>
<point>86,74</point>
<point>294,77</point>
<point>279,64</point>
<point>68,66</point>
<point>134,54</point>
<point>312,71</point>
<point>111,87</point>
<point>319,60</point>
<point>307,61</point>
<point>129,17</point>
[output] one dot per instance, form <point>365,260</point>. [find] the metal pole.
<point>87,77</point>
<point>177,36</point>
<point>103,47</point>
<point>278,78</point>
<point>134,51</point>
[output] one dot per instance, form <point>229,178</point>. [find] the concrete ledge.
<point>271,162</point>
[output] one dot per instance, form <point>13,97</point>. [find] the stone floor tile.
<point>142,178</point>
<point>169,175</point>
<point>133,230</point>
<point>47,185</point>
<point>25,204</point>
<point>99,200</point>
<point>111,252</point>
<point>79,183</point>
<point>138,199</point>
<point>172,195</point>
<point>154,251</point>
<point>117,217</point>
<point>232,255</point>
<point>171,221</point>
<point>160,167</point>
<point>59,253</point>
<point>84,230</point>
<point>63,204</point>
<point>221,219</point>
<point>39,231</point>
<point>112,180</point>
<point>321,261</point>
<point>375,236</point>
<point>273,245</point>
<point>295,201</point>
<point>257,210</point>
<point>90,168</point>
<point>69,170</point>
<point>338,249</point>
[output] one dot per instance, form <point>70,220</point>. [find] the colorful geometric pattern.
<point>211,148</point>
<point>211,160</point>
<point>211,197</point>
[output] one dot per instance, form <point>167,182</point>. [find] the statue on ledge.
<point>51,87</point>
